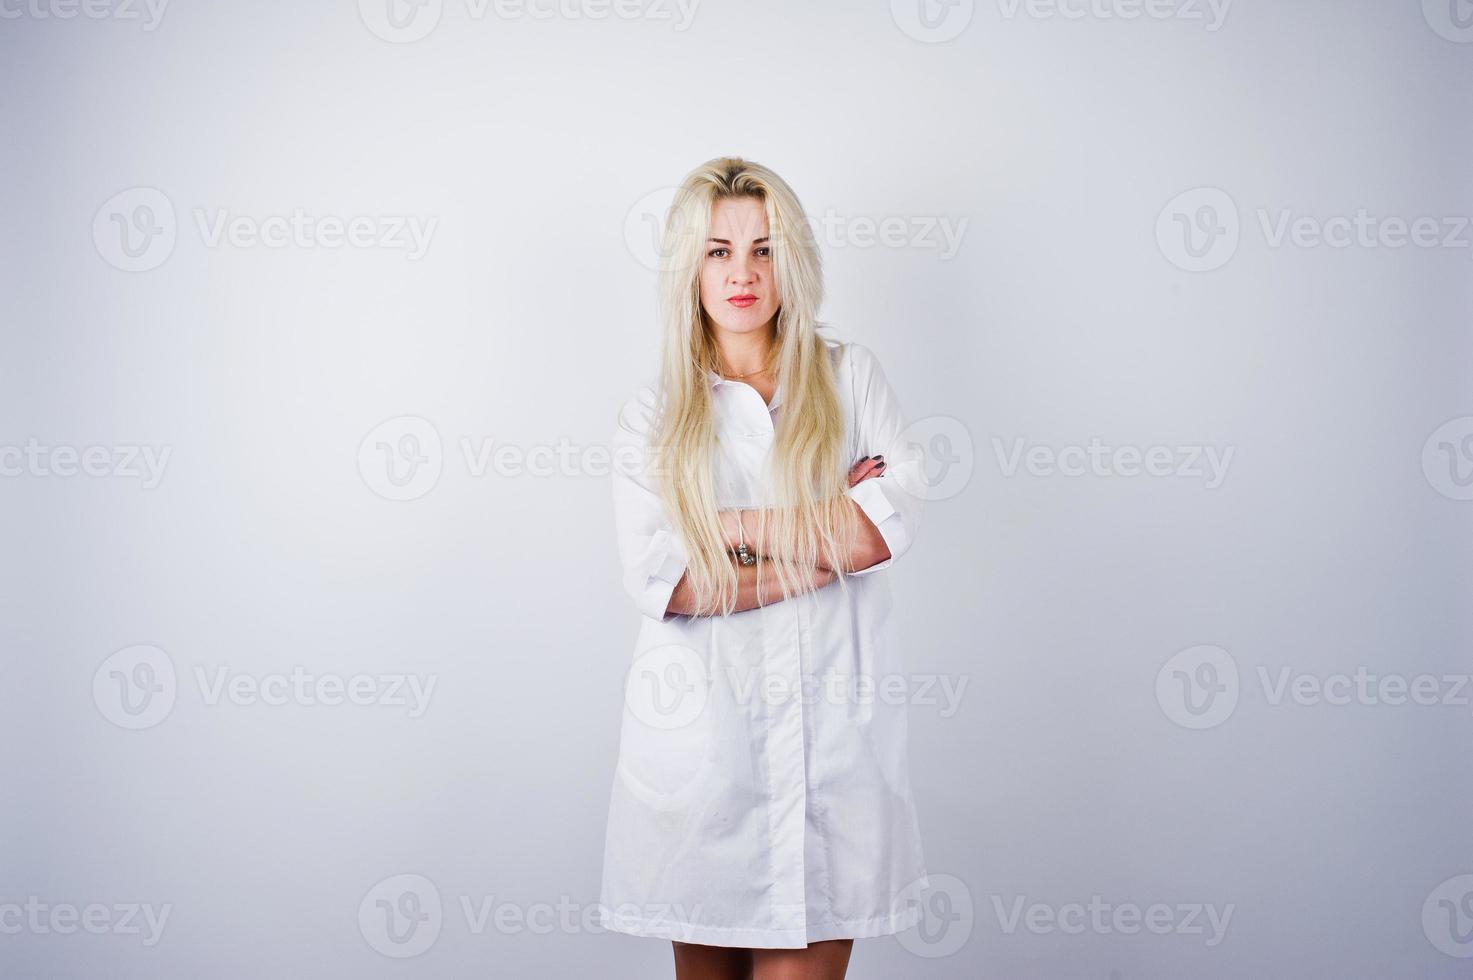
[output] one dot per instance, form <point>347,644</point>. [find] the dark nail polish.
<point>879,457</point>
<point>880,467</point>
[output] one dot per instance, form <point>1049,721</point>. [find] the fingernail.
<point>879,457</point>
<point>880,467</point>
<point>863,458</point>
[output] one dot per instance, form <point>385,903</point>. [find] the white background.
<point>1063,137</point>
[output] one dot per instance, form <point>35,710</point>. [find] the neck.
<point>745,353</point>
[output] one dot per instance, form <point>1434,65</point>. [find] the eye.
<point>765,251</point>
<point>713,252</point>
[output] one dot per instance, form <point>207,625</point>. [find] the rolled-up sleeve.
<point>651,551</point>
<point>893,502</point>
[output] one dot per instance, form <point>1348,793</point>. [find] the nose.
<point>742,272</point>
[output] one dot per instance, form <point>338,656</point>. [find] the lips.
<point>743,301</point>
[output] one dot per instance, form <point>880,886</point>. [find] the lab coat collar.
<point>716,379</point>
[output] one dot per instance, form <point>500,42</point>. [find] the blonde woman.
<point>761,816</point>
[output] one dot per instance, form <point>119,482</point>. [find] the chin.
<point>744,321</point>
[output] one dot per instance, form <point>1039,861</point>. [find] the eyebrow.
<point>722,241</point>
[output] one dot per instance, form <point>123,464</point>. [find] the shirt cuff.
<point>871,498</point>
<point>668,563</point>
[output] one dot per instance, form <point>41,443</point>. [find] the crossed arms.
<point>869,549</point>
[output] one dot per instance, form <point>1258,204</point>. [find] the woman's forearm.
<point>682,600</point>
<point>868,548</point>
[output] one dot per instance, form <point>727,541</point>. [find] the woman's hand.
<point>866,468</point>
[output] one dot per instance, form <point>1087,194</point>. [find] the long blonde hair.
<point>807,475</point>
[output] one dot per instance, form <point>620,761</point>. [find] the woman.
<point>761,817</point>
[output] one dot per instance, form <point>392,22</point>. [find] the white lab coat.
<point>762,795</point>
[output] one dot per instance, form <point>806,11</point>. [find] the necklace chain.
<point>738,377</point>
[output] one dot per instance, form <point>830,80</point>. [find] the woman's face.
<point>737,287</point>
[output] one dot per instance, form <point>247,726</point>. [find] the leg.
<point>696,962</point>
<point>827,960</point>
